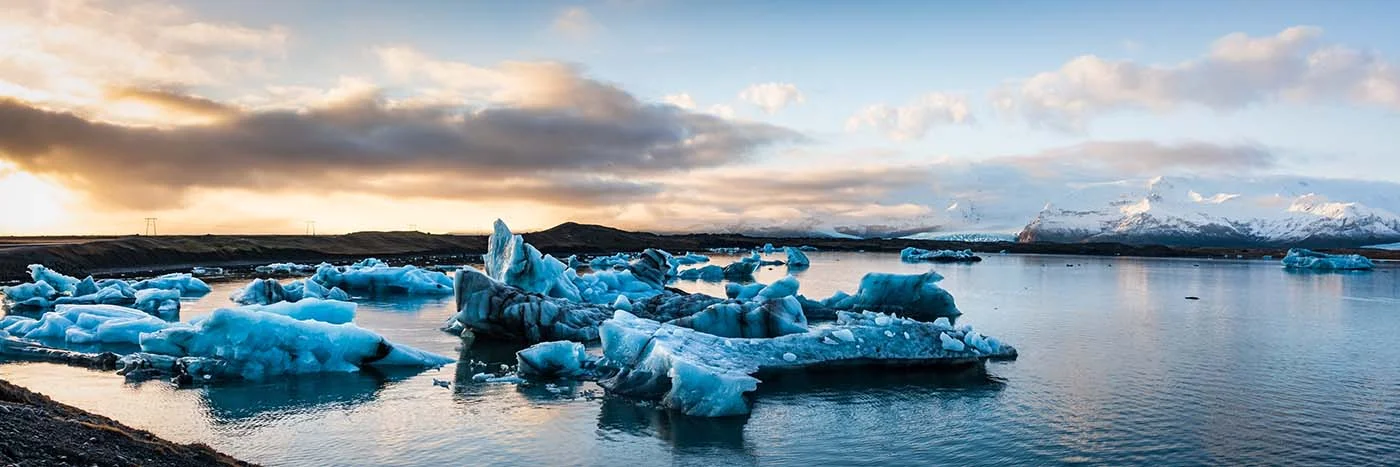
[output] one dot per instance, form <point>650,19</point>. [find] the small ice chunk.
<point>950,343</point>
<point>844,334</point>
<point>789,357</point>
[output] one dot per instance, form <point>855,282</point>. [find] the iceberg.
<point>557,359</point>
<point>740,270</point>
<point>512,261</point>
<point>691,258</point>
<point>708,273</point>
<point>60,282</point>
<point>916,296</point>
<point>1301,258</point>
<point>796,258</point>
<point>372,274</point>
<point>605,263</point>
<point>85,324</point>
<point>915,255</point>
<point>285,268</point>
<point>162,303</point>
<point>771,311</point>
<point>206,271</point>
<point>310,308</point>
<point>256,345</point>
<point>495,309</point>
<point>701,374</point>
<point>186,283</point>
<point>30,295</point>
<point>104,296</point>
<point>267,291</point>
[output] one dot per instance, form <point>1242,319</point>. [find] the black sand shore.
<point>36,430</point>
<point>140,254</point>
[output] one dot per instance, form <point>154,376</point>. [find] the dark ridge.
<point>39,431</point>
<point>81,256</point>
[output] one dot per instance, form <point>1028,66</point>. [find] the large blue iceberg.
<point>1301,258</point>
<point>267,291</point>
<point>707,375</point>
<point>373,275</point>
<point>915,255</point>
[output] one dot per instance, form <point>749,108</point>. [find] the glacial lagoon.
<point>1116,366</point>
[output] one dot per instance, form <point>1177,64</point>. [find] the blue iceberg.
<point>915,255</point>
<point>1301,258</point>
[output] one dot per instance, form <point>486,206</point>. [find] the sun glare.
<point>38,206</point>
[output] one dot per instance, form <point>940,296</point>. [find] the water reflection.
<point>620,415</point>
<point>400,302</point>
<point>298,394</point>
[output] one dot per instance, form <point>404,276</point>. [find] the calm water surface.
<point>1116,367</point>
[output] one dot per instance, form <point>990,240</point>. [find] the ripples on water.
<point>1116,367</point>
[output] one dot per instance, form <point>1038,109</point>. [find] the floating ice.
<point>494,309</point>
<point>706,375</point>
<point>1301,258</point>
<point>740,270</point>
<point>104,296</point>
<point>85,324</point>
<point>768,248</point>
<point>770,311</point>
<point>316,309</point>
<point>915,255</point>
<point>691,258</point>
<point>161,303</point>
<point>31,295</point>
<point>266,291</point>
<point>796,258</point>
<point>60,282</point>
<point>553,359</point>
<point>710,273</point>
<point>257,345</point>
<point>187,284</point>
<point>285,268</point>
<point>206,271</point>
<point>912,295</point>
<point>606,263</point>
<point>372,274</point>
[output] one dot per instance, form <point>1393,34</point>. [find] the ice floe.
<point>1301,258</point>
<point>373,275</point>
<point>915,255</point>
<point>707,375</point>
<point>266,291</point>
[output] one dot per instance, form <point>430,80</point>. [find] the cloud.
<point>1237,71</point>
<point>70,52</point>
<point>681,100</point>
<point>772,97</point>
<point>913,120</point>
<point>1118,159</point>
<point>551,122</point>
<point>575,22</point>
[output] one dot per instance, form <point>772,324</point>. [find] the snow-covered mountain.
<point>1176,212</point>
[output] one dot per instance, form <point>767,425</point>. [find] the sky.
<point>257,116</point>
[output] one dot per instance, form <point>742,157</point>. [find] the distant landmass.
<point>150,254</point>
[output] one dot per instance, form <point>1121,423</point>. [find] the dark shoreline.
<point>40,431</point>
<point>100,256</point>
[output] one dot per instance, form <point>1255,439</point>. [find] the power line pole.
<point>413,227</point>
<point>150,226</point>
<point>311,228</point>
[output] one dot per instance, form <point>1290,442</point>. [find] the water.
<point>1116,367</point>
